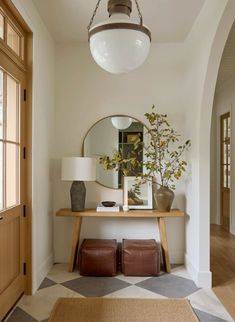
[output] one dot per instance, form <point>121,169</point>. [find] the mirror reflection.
<point>114,133</point>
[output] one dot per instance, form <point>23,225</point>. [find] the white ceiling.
<point>169,20</point>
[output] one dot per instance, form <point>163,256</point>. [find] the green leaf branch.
<point>163,157</point>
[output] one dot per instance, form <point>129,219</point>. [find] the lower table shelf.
<point>160,217</point>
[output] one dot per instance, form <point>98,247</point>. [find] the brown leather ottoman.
<point>140,257</point>
<point>98,257</point>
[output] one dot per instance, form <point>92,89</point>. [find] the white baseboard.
<point>190,268</point>
<point>42,272</point>
<point>204,279</point>
<point>232,230</point>
<point>201,278</point>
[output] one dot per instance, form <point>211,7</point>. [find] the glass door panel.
<point>225,170</point>
<point>1,104</point>
<point>13,39</point>
<point>9,141</point>
<point>1,26</point>
<point>12,111</point>
<point>225,141</point>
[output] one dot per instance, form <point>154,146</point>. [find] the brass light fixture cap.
<point>124,7</point>
<point>119,6</point>
<point>119,25</point>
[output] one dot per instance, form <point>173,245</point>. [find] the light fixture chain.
<point>93,16</point>
<point>139,12</point>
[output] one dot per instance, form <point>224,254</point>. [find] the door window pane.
<point>228,176</point>
<point>225,128</point>
<point>229,126</point>
<point>1,104</point>
<point>12,175</point>
<point>12,109</point>
<point>225,153</point>
<point>1,176</point>
<point>228,154</point>
<point>1,26</point>
<point>13,39</point>
<point>225,176</point>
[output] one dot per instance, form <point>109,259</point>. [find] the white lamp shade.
<point>78,169</point>
<point>121,122</point>
<point>119,50</point>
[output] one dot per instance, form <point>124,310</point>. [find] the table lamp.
<point>78,169</point>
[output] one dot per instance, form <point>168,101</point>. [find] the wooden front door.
<point>12,183</point>
<point>225,148</point>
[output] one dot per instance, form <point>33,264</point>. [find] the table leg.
<point>75,241</point>
<point>164,243</point>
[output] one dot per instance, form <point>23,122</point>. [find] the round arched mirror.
<point>114,133</point>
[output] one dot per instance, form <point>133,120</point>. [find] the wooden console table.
<point>160,216</point>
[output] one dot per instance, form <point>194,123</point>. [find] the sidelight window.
<point>9,141</point>
<point>1,26</point>
<point>226,149</point>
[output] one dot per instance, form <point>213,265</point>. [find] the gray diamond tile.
<point>96,286</point>
<point>205,317</point>
<point>169,285</point>
<point>18,315</point>
<point>46,283</point>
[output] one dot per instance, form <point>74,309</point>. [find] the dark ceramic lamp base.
<point>78,196</point>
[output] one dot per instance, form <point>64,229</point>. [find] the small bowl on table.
<point>108,203</point>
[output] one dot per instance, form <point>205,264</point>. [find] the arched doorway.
<point>205,117</point>
<point>222,168</point>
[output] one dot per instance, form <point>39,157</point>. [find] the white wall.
<point>85,94</point>
<point>224,102</point>
<point>42,140</point>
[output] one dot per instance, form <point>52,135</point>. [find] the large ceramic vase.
<point>164,198</point>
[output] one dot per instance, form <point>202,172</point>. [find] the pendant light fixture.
<point>119,44</point>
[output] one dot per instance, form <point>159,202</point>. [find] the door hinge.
<point>24,152</point>
<point>24,268</point>
<point>24,210</point>
<point>25,95</point>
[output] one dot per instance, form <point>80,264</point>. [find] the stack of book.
<point>101,208</point>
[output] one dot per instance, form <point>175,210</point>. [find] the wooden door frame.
<point>222,117</point>
<point>26,66</point>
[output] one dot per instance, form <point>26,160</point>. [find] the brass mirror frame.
<point>103,118</point>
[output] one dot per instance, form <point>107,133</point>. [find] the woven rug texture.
<point>122,310</point>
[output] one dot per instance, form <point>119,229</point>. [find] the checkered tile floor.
<point>61,283</point>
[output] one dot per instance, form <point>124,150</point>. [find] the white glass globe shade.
<point>119,50</point>
<point>121,122</point>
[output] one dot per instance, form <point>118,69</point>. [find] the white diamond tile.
<point>181,271</point>
<point>205,300</point>
<point>132,279</point>
<point>41,303</point>
<point>60,273</point>
<point>134,292</point>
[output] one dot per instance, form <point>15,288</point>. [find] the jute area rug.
<point>122,310</point>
